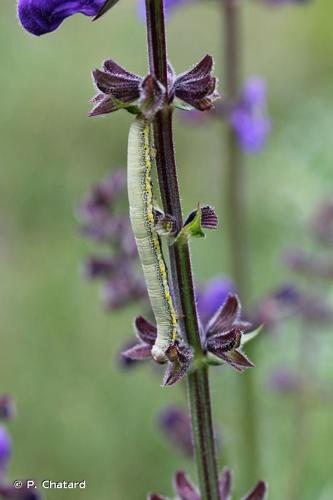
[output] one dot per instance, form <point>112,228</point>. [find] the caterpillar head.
<point>159,355</point>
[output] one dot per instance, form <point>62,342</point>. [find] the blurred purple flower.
<point>248,116</point>
<point>285,381</point>
<point>102,221</point>
<point>5,451</point>
<point>212,295</point>
<point>175,423</point>
<point>9,492</point>
<point>7,407</point>
<point>185,490</point>
<point>322,223</point>
<point>302,262</point>
<point>43,16</point>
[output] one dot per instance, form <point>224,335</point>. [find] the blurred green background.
<point>80,416</point>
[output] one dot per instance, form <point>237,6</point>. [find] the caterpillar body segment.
<point>140,162</point>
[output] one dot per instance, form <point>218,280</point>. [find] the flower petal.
<point>145,330</point>
<point>259,492</point>
<point>203,68</point>
<point>225,341</point>
<point>226,315</point>
<point>225,483</point>
<point>43,16</point>
<point>184,488</point>
<point>138,352</point>
<point>152,97</point>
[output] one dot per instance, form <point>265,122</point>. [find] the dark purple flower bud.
<point>197,86</point>
<point>43,16</point>
<point>248,116</point>
<point>209,219</point>
<point>259,492</point>
<point>212,295</point>
<point>176,425</point>
<point>285,381</point>
<point>103,196</point>
<point>7,407</point>
<point>116,85</point>
<point>184,488</point>
<point>5,451</point>
<point>224,333</point>
<point>100,267</point>
<point>225,484</point>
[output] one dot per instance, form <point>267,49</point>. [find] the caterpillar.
<point>140,194</point>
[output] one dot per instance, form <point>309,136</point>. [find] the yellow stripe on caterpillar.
<point>140,161</point>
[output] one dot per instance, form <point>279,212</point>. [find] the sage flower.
<point>248,116</point>
<point>5,451</point>
<point>119,88</point>
<point>185,490</point>
<point>43,16</point>
<point>224,334</point>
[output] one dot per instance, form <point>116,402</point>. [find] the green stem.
<point>180,263</point>
<point>237,237</point>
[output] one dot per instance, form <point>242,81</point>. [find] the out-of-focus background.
<point>79,415</point>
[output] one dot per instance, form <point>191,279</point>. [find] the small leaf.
<point>192,227</point>
<point>105,8</point>
<point>247,337</point>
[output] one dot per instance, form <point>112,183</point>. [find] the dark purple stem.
<point>237,237</point>
<point>180,263</point>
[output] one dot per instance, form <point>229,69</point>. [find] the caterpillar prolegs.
<point>140,161</point>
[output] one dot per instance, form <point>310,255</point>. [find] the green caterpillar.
<point>140,162</point>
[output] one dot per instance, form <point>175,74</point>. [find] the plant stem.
<point>180,264</point>
<point>237,224</point>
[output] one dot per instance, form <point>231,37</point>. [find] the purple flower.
<point>119,88</point>
<point>248,116</point>
<point>185,490</point>
<point>43,16</point>
<point>224,332</point>
<point>24,493</point>
<point>175,423</point>
<point>212,295</point>
<point>5,451</point>
<point>285,381</point>
<point>179,355</point>
<point>101,221</point>
<point>7,407</point>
